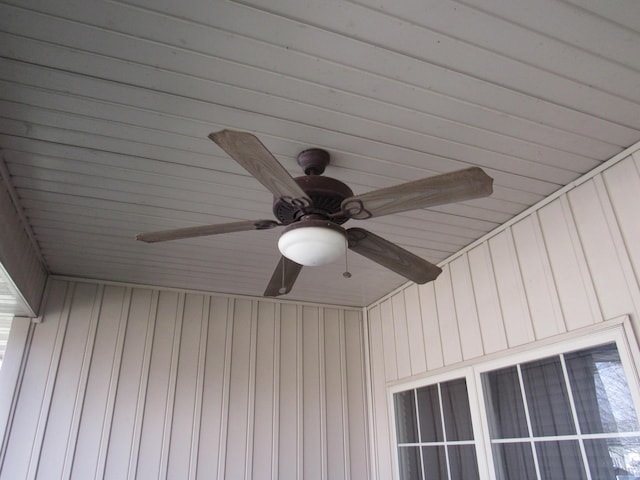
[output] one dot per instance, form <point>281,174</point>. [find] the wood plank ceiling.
<point>106,107</point>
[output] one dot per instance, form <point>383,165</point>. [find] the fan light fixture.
<point>313,243</point>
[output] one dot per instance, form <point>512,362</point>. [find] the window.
<point>563,416</point>
<point>435,432</point>
<point>563,410</point>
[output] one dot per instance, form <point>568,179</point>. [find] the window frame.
<point>618,330</point>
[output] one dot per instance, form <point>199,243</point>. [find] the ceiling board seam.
<point>463,163</point>
<point>519,25</point>
<point>433,63</point>
<point>313,56</point>
<point>344,91</point>
<point>423,134</point>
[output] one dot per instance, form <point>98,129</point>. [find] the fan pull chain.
<point>283,289</point>
<point>346,273</point>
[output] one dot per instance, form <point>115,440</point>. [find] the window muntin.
<point>578,412</point>
<point>613,438</point>
<point>434,432</point>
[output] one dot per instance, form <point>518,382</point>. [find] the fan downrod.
<point>313,161</point>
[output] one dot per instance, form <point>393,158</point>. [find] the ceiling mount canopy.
<point>313,207</point>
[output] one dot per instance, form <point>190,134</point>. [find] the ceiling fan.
<point>313,207</point>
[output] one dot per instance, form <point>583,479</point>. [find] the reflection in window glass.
<point>564,416</point>
<point>560,460</point>
<point>430,420</point>
<point>455,406</point>
<point>504,398</point>
<point>548,398</point>
<point>406,425</point>
<point>514,460</point>
<point>409,458</point>
<point>600,389</point>
<point>447,448</point>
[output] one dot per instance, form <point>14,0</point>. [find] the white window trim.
<point>618,330</point>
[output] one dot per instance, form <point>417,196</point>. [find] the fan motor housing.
<point>326,195</point>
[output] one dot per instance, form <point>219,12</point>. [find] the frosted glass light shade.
<point>312,246</point>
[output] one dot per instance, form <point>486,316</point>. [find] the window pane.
<point>602,397</point>
<point>457,415</point>
<point>409,458</point>
<point>560,460</point>
<point>613,458</point>
<point>547,398</point>
<point>514,461</point>
<point>435,463</point>
<point>463,462</point>
<point>429,410</point>
<point>504,404</point>
<point>406,424</point>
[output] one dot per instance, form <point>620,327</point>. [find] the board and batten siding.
<point>125,382</point>
<point>571,263</point>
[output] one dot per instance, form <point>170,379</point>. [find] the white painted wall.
<point>124,382</point>
<point>572,263</point>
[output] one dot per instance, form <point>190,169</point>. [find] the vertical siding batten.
<point>622,253</point>
<point>539,287</point>
<point>575,290</point>
<point>105,431</point>
<point>389,341</point>
<point>511,292</point>
<point>175,384</point>
<point>299,394</point>
<point>431,325</point>
<point>198,403</point>
<point>81,390</point>
<point>448,323</point>
<point>622,185</point>
<point>471,341</point>
<point>415,329</point>
<point>45,407</point>
<point>321,394</point>
<point>171,390</point>
<point>183,410</point>
<point>345,393</point>
<point>356,395</point>
<point>333,394</point>
<point>485,290</point>
<point>251,387</point>
<point>141,398</point>
<point>602,258</point>
<point>275,423</point>
<point>226,387</point>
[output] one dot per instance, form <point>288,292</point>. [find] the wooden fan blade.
<point>248,151</point>
<point>450,187</point>
<point>203,230</point>
<point>283,278</point>
<point>392,256</point>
